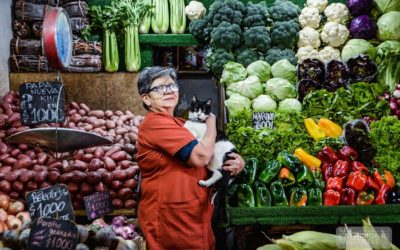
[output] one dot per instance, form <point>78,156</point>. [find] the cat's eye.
<point>161,89</point>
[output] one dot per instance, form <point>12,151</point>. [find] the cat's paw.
<point>203,183</point>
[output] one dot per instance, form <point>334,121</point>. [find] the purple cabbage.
<point>337,75</point>
<point>306,86</point>
<point>119,221</point>
<point>362,69</point>
<point>363,27</point>
<point>312,69</point>
<point>360,7</point>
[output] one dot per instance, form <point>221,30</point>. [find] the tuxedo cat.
<point>198,112</point>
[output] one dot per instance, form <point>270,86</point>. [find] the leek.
<point>160,17</point>
<point>177,16</point>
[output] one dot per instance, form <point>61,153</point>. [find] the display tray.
<point>126,212</point>
<point>167,40</point>
<point>314,215</point>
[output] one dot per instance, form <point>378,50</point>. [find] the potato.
<point>99,152</point>
<point>117,185</point>
<point>125,193</point>
<point>119,175</point>
<point>87,157</point>
<point>93,177</point>
<point>117,203</point>
<point>32,185</point>
<point>109,163</point>
<point>107,178</point>
<point>95,164</point>
<point>66,177</point>
<point>26,176</point>
<point>108,113</point>
<point>130,203</point>
<point>73,187</point>
<point>97,113</point>
<point>78,176</point>
<point>84,107</point>
<point>125,164</point>
<point>86,189</point>
<point>74,105</point>
<point>40,177</point>
<point>119,156</point>
<point>53,176</point>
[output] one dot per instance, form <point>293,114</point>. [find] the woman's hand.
<point>234,165</point>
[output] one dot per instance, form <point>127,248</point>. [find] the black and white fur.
<point>198,112</point>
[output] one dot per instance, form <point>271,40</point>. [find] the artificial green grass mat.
<point>313,215</point>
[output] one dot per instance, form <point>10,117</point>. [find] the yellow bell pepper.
<point>313,129</point>
<point>330,128</point>
<point>310,161</point>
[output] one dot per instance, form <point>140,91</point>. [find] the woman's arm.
<point>234,165</point>
<point>204,150</point>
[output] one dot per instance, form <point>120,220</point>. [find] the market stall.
<point>308,91</point>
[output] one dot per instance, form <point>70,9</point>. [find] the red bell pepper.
<point>365,198</point>
<point>331,198</point>
<point>382,195</point>
<point>327,155</point>
<point>357,181</point>
<point>334,183</point>
<point>348,153</point>
<point>358,166</point>
<point>371,185</point>
<point>348,196</point>
<point>327,171</point>
<point>385,178</point>
<point>341,169</point>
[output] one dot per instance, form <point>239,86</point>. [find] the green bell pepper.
<point>305,177</point>
<point>286,177</point>
<point>278,194</point>
<point>298,197</point>
<point>290,161</point>
<point>262,195</point>
<point>271,170</point>
<point>314,197</point>
<point>318,180</point>
<point>245,196</point>
<point>248,175</point>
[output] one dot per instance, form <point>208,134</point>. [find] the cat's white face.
<point>197,116</point>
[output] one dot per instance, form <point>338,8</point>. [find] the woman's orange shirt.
<point>174,211</point>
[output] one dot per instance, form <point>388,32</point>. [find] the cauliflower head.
<point>309,17</point>
<point>306,52</point>
<point>328,54</point>
<point>309,37</point>
<point>334,34</point>
<point>337,12</point>
<point>195,10</point>
<point>319,4</point>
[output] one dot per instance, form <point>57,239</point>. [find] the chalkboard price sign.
<point>53,234</point>
<point>263,119</point>
<point>51,202</point>
<point>42,102</point>
<point>98,204</point>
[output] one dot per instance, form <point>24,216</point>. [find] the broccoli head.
<point>226,36</point>
<point>199,29</point>
<point>257,38</point>
<point>285,34</point>
<point>275,54</point>
<point>230,11</point>
<point>246,56</point>
<point>256,15</point>
<point>284,10</point>
<point>217,60</point>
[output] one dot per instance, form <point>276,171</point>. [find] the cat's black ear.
<point>194,99</point>
<point>209,101</point>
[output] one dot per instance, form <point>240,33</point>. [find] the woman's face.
<point>163,95</point>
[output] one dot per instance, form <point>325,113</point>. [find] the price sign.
<point>98,204</point>
<point>53,234</point>
<point>263,120</point>
<point>42,102</point>
<point>51,202</point>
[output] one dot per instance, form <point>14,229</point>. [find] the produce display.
<point>118,234</point>
<point>111,168</point>
<point>370,238</point>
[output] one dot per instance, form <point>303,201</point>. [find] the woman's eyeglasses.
<point>162,89</point>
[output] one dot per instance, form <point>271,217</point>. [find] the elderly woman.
<point>174,211</point>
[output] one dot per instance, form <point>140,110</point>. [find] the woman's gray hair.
<point>149,74</point>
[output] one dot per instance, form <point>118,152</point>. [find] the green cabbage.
<point>389,26</point>
<point>290,105</point>
<point>261,69</point>
<point>233,72</point>
<point>284,69</point>
<point>280,89</point>
<point>237,103</point>
<point>263,103</point>
<point>385,6</point>
<point>355,47</point>
<point>249,87</point>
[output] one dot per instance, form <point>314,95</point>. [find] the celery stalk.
<point>132,49</point>
<point>177,16</point>
<point>160,17</point>
<point>145,24</point>
<point>110,51</point>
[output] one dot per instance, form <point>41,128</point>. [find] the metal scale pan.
<point>58,139</point>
